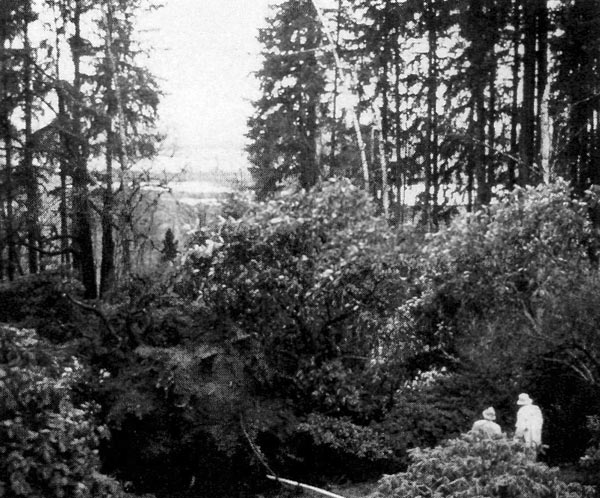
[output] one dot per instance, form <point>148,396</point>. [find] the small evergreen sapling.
<point>169,250</point>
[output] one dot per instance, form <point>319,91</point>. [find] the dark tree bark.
<point>7,139</point>
<point>513,162</point>
<point>336,76</point>
<point>528,121</point>
<point>30,174</point>
<point>107,264</point>
<point>399,174</point>
<point>542,65</point>
<point>82,229</point>
<point>430,201</point>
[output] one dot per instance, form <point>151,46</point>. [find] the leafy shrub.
<point>38,301</point>
<point>511,292</point>
<point>441,404</point>
<point>471,466</point>
<point>313,278</point>
<point>590,461</point>
<point>318,448</point>
<point>48,444</point>
<point>344,436</point>
<point>492,264</point>
<point>287,304</point>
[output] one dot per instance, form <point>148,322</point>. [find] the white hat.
<point>489,413</point>
<point>524,399</point>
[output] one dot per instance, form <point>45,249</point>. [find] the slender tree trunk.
<point>478,79</point>
<point>63,119</point>
<point>336,76</point>
<point>471,166</point>
<point>384,130</point>
<point>126,205</point>
<point>354,111</point>
<point>31,185</point>
<point>2,236</point>
<point>82,228</point>
<point>385,199</point>
<point>7,139</point>
<point>107,265</point>
<point>373,157</point>
<point>430,203</point>
<point>12,263</point>
<point>527,138</point>
<point>66,149</point>
<point>398,136</point>
<point>513,163</point>
<point>491,160</point>
<point>541,64</point>
<point>543,92</point>
<point>479,145</point>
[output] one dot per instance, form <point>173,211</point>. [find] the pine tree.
<point>285,128</point>
<point>169,250</point>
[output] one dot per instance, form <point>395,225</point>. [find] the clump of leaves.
<point>472,466</point>
<point>312,277</point>
<point>48,444</point>
<point>498,261</point>
<point>590,461</point>
<point>39,302</point>
<point>346,437</point>
<point>510,290</point>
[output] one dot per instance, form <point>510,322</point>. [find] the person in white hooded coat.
<point>529,422</point>
<point>487,427</point>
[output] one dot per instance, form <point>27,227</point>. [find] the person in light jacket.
<point>529,422</point>
<point>487,427</point>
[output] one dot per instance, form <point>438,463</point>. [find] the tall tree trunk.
<point>107,264</point>
<point>385,199</point>
<point>384,129</point>
<point>491,159</point>
<point>478,79</point>
<point>470,160</point>
<point>82,228</point>
<point>430,202</point>
<point>12,263</point>
<point>398,136</point>
<point>336,76</point>
<point>513,162</point>
<point>528,123</point>
<point>66,145</point>
<point>353,110</point>
<point>2,236</point>
<point>126,203</point>
<point>543,92</point>
<point>31,184</point>
<point>541,64</point>
<point>7,139</point>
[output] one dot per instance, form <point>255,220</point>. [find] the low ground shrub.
<point>471,466</point>
<point>39,302</point>
<point>338,448</point>
<point>48,444</point>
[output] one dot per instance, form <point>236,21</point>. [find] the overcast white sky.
<point>205,53</point>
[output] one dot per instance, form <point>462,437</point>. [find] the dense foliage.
<point>312,279</point>
<point>49,442</point>
<point>307,335</point>
<point>472,466</point>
